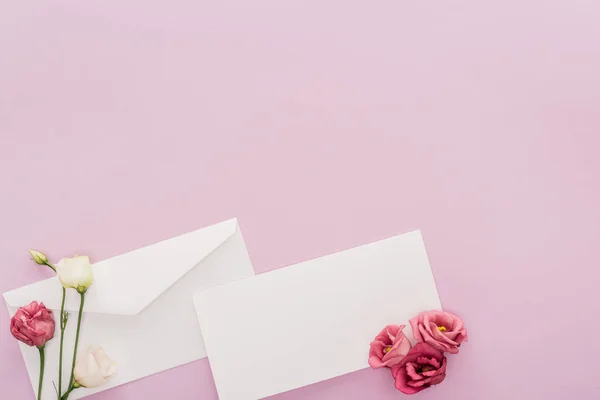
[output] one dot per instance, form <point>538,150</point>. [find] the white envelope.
<point>140,306</point>
<point>312,321</point>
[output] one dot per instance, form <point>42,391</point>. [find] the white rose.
<point>75,273</point>
<point>93,367</point>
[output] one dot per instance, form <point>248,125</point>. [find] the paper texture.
<point>140,306</point>
<point>312,321</point>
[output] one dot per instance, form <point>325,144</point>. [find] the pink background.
<point>321,126</point>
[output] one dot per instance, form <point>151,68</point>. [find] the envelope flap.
<point>127,283</point>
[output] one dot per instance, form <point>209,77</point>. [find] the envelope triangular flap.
<point>128,283</point>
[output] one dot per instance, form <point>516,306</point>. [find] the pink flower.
<point>389,347</point>
<point>423,366</point>
<point>442,330</point>
<point>33,324</point>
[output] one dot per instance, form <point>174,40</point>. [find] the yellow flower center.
<point>387,349</point>
<point>442,328</point>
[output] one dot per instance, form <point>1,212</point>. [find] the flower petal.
<point>411,371</point>
<point>419,384</point>
<point>414,325</point>
<point>401,383</point>
<point>435,363</point>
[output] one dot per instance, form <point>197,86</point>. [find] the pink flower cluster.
<point>418,367</point>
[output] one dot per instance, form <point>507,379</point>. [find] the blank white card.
<point>312,321</point>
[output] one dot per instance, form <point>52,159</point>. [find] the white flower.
<point>93,367</point>
<point>75,273</point>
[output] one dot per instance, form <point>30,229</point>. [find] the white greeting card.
<point>312,321</point>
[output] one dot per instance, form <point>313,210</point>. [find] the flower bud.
<point>39,257</point>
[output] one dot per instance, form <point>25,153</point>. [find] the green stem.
<point>51,266</point>
<point>68,392</point>
<point>82,295</point>
<point>41,349</point>
<point>63,325</point>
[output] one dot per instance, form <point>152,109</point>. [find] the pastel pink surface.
<point>322,126</point>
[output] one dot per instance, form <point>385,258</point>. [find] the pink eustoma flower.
<point>389,347</point>
<point>33,324</point>
<point>423,366</point>
<point>442,330</point>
